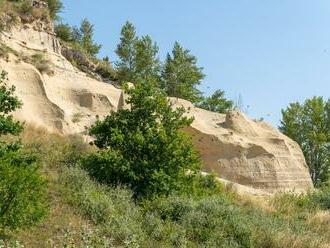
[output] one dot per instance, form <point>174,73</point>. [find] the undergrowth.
<point>86,214</point>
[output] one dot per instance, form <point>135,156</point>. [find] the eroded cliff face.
<point>251,153</point>
<point>67,100</point>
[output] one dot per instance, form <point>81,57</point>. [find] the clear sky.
<point>271,52</point>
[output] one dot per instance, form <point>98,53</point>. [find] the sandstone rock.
<point>251,153</point>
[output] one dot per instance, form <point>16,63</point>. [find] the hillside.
<point>245,152</point>
<point>254,189</point>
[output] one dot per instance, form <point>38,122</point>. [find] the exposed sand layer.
<point>67,100</point>
<point>252,156</point>
<point>247,152</point>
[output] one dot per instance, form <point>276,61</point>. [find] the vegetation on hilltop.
<point>81,50</point>
<point>25,10</point>
<point>309,125</point>
<point>138,62</point>
<point>217,102</point>
<point>179,75</point>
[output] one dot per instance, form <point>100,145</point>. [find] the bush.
<point>213,221</point>
<point>143,147</point>
<point>322,196</point>
<point>22,191</point>
<point>181,221</point>
<point>24,8</point>
<point>64,32</point>
<point>112,208</point>
<point>105,70</point>
<point>216,103</point>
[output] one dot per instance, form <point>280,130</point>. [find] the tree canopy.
<point>81,37</point>
<point>216,103</point>
<point>181,75</point>
<point>138,57</point>
<point>126,53</point>
<point>309,125</point>
<point>54,6</point>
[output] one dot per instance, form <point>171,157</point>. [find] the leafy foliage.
<point>181,75</point>
<point>82,37</point>
<point>55,7</point>
<point>64,32</point>
<point>181,221</point>
<point>322,197</point>
<point>309,125</point>
<point>8,104</point>
<point>126,53</point>
<point>216,103</point>
<point>147,66</point>
<point>21,187</point>
<point>143,146</point>
<point>22,190</point>
<point>138,60</point>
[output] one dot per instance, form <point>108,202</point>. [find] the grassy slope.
<point>62,225</point>
<point>83,213</point>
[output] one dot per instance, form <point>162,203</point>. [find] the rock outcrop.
<point>236,148</point>
<point>68,100</point>
<point>251,153</point>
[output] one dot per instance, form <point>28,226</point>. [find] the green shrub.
<point>105,70</point>
<point>112,208</point>
<point>216,103</point>
<point>182,221</point>
<point>24,7</point>
<point>64,32</point>
<point>322,196</point>
<point>22,191</point>
<point>144,147</point>
<point>214,221</point>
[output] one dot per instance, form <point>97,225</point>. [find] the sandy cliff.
<point>247,152</point>
<point>67,100</point>
<point>238,149</point>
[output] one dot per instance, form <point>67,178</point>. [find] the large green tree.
<point>309,125</point>
<point>21,186</point>
<point>216,103</point>
<point>126,53</point>
<point>147,65</point>
<point>79,37</point>
<point>138,57</point>
<point>87,38</point>
<point>143,147</point>
<point>181,75</point>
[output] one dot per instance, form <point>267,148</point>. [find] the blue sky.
<point>271,52</point>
